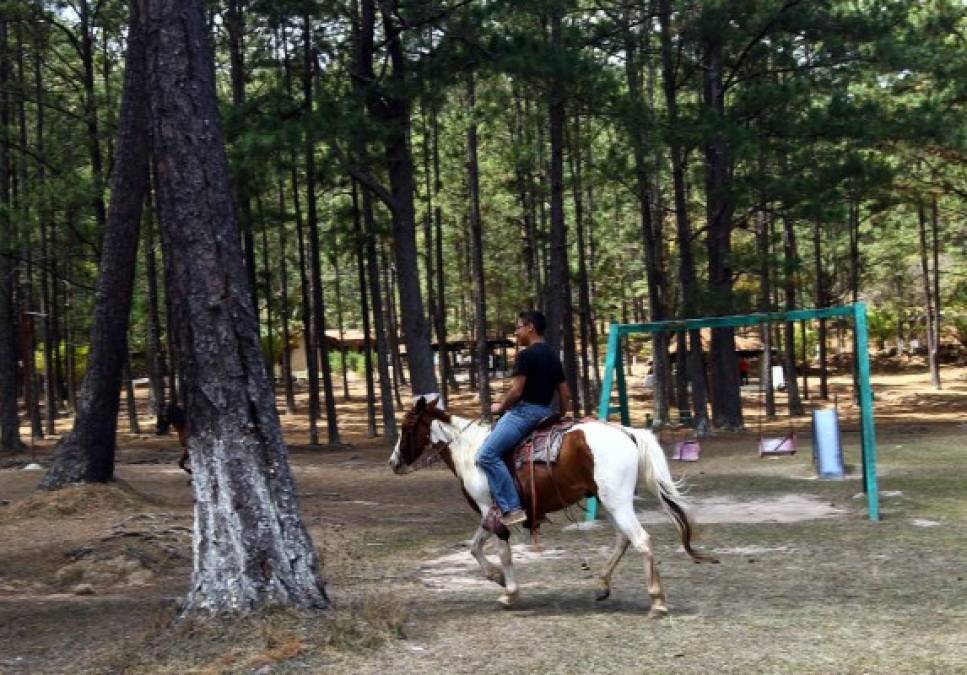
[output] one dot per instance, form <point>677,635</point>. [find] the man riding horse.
<point>537,375</point>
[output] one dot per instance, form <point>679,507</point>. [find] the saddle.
<point>543,444</point>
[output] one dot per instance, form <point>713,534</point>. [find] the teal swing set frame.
<point>614,375</point>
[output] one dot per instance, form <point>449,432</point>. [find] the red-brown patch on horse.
<point>566,482</point>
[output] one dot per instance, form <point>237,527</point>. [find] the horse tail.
<point>653,473</point>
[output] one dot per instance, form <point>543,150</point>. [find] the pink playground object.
<point>777,446</point>
<point>687,451</point>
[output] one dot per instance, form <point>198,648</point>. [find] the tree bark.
<point>392,327</point>
<point>765,305</point>
<point>686,267</point>
<point>155,353</point>
<point>928,298</point>
<point>358,238</point>
<point>555,297</point>
<point>720,204</point>
<point>308,331</point>
<point>312,222</point>
<point>935,357</point>
<point>86,454</point>
<point>251,548</point>
<point>820,300</point>
<point>651,228</point>
<point>790,264</point>
<point>286,334</point>
<point>476,254</point>
<point>379,326</point>
<point>235,27</point>
<point>309,336</point>
<point>9,421</point>
<point>447,378</point>
<point>86,44</point>
<point>584,294</point>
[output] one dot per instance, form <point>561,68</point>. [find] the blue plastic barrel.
<point>827,449</point>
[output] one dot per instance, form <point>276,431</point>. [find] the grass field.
<point>806,583</point>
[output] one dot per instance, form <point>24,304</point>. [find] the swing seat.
<point>686,451</point>
<point>777,446</point>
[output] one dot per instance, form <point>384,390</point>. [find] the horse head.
<point>415,432</point>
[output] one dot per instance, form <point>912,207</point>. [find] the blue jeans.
<point>510,430</point>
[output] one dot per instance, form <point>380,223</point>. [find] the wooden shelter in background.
<point>459,348</point>
<point>748,345</point>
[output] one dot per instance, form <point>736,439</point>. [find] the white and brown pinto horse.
<point>596,459</point>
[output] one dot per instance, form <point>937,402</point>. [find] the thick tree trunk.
<point>86,454</point>
<point>727,398</point>
<point>251,548</point>
<point>686,267</point>
<point>476,254</point>
<point>391,106</point>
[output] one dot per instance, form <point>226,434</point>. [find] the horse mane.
<point>466,437</point>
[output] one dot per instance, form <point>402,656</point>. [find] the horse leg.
<point>490,570</point>
<point>604,581</point>
<point>511,590</point>
<point>627,524</point>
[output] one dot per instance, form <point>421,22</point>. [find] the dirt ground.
<point>90,578</point>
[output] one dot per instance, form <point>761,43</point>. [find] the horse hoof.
<point>602,594</point>
<point>507,599</point>
<point>659,612</point>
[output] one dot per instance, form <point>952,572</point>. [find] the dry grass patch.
<point>82,499</point>
<point>283,640</point>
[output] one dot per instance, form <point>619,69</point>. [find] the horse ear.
<point>420,403</point>
<point>433,400</point>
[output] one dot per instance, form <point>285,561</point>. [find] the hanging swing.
<point>773,445</point>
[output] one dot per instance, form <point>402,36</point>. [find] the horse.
<point>596,458</point>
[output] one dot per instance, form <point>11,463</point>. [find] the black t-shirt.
<point>543,370</point>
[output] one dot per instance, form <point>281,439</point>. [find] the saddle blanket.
<point>544,443</point>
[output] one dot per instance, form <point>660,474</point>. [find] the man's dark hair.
<point>535,319</point>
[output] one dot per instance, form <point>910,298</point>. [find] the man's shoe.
<point>514,517</point>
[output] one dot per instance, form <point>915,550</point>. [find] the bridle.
<point>433,456</point>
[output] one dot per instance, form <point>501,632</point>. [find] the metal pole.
<point>866,411</point>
